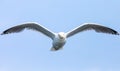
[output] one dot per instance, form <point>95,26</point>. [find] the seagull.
<point>59,39</point>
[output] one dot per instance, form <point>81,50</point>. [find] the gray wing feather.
<point>31,25</point>
<point>92,26</point>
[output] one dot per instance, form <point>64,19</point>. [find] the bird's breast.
<point>57,41</point>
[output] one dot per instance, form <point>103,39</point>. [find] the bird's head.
<point>61,35</point>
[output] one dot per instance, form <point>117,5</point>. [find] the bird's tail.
<point>54,49</point>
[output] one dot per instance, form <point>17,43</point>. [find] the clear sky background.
<point>86,51</point>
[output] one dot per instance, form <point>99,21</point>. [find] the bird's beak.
<point>61,37</point>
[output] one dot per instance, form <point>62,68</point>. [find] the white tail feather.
<point>53,49</point>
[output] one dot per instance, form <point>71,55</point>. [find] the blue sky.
<point>86,51</point>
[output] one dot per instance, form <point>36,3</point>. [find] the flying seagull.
<point>59,39</point>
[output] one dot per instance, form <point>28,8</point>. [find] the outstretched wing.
<point>92,26</point>
<point>31,25</point>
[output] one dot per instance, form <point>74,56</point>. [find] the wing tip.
<point>3,33</point>
<point>115,32</point>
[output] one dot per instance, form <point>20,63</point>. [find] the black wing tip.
<point>3,33</point>
<point>115,33</point>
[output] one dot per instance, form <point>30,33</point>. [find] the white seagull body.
<point>59,39</point>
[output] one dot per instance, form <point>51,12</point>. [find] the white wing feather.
<point>30,25</point>
<point>91,26</point>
